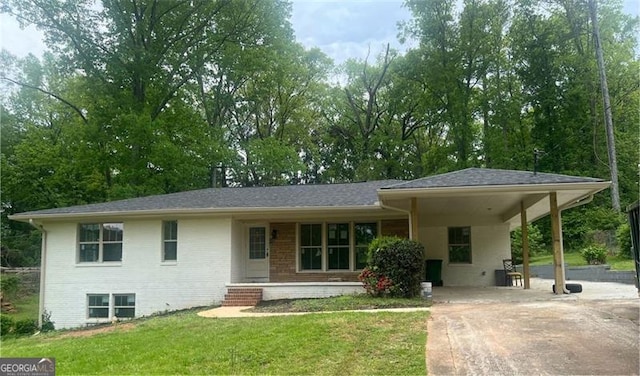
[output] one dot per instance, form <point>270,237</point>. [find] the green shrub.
<point>47,324</point>
<point>623,237</point>
<point>536,243</point>
<point>6,325</point>
<point>595,254</point>
<point>25,327</point>
<point>396,267</point>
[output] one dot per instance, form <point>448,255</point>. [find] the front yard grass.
<point>338,303</point>
<point>354,343</point>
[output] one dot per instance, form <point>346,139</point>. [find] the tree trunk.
<point>608,122</point>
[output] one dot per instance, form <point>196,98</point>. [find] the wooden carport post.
<point>556,236</point>
<point>525,245</point>
<point>414,219</point>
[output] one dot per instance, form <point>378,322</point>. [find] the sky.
<point>341,28</point>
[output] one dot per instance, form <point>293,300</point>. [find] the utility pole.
<point>608,122</point>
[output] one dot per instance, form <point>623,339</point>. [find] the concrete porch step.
<point>238,296</point>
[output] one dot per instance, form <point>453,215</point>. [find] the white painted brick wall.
<point>197,278</point>
<point>489,246</point>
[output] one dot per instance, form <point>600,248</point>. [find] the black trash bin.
<point>433,271</point>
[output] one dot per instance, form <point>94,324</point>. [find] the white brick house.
<point>140,256</point>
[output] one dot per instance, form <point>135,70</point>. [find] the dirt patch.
<point>552,337</point>
<point>99,330</point>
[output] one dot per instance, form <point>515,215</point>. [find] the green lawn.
<point>26,307</point>
<point>183,343</point>
<point>338,303</point>
<point>575,259</point>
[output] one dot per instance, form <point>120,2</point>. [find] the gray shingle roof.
<point>290,196</point>
<point>475,177</point>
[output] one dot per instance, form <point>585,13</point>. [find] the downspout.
<point>43,268</point>
<point>407,212</point>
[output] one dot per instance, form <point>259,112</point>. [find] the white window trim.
<point>460,264</point>
<point>101,244</point>
<point>325,248</point>
<point>163,241</point>
<point>111,308</point>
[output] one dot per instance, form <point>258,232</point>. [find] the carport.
<point>477,195</point>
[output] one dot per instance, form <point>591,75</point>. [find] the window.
<point>460,245</point>
<point>338,245</point>
<point>364,234</point>
<point>98,305</point>
<point>310,246</point>
<point>170,241</point>
<point>124,305</point>
<point>100,242</point>
<point>257,243</point>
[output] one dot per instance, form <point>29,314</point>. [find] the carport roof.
<point>476,177</point>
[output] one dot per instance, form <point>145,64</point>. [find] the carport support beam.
<point>414,219</point>
<point>556,236</point>
<point>525,245</point>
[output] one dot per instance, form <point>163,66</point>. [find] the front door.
<point>257,253</point>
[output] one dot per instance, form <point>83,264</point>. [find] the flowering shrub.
<point>396,268</point>
<point>376,284</point>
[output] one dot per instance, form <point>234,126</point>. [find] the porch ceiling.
<point>500,204</point>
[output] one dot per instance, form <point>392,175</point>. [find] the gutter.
<point>43,269</point>
<point>579,202</point>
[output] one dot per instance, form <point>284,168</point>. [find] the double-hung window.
<point>338,248</point>
<point>169,241</point>
<point>98,306</point>
<point>460,245</point>
<point>364,235</point>
<point>311,246</point>
<point>100,242</point>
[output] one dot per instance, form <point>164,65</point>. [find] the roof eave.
<point>491,189</point>
<point>26,217</point>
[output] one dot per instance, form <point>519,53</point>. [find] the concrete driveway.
<point>510,331</point>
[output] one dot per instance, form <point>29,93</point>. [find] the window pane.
<point>311,258</point>
<point>170,251</point>
<point>88,252</point>
<point>170,231</point>
<point>257,243</point>
<point>365,233</point>
<point>338,257</point>
<point>89,232</point>
<point>310,235</point>
<point>338,234</point>
<point>459,254</point>
<point>99,312</point>
<point>125,312</point>
<point>112,252</point>
<point>112,232</point>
